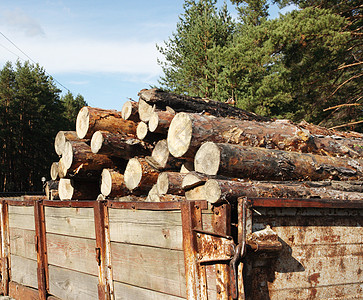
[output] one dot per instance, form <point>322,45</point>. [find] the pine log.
<point>145,111</point>
<point>217,191</point>
<point>54,172</point>
<point>161,158</point>
<point>153,195</point>
<point>187,167</point>
<point>118,144</point>
<point>197,193</point>
<point>160,121</point>
<point>170,183</point>
<point>266,164</point>
<point>141,130</point>
<point>113,184</point>
<point>347,186</point>
<point>70,189</point>
<point>170,198</point>
<point>51,189</point>
<point>188,131</point>
<point>61,138</point>
<point>78,160</point>
<point>193,179</point>
<point>140,176</point>
<point>130,111</point>
<point>90,120</point>
<point>185,103</point>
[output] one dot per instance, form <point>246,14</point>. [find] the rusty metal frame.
<point>5,248</point>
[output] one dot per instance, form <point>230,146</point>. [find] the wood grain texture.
<point>148,267</point>
<point>69,285</point>
<point>21,217</point>
<point>24,271</point>
<point>153,228</point>
<point>78,222</point>
<point>72,253</point>
<point>22,243</point>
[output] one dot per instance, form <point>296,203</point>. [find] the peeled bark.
<point>188,131</point>
<point>120,145</point>
<point>90,120</point>
<point>113,184</point>
<point>170,183</point>
<point>140,176</point>
<point>160,121</point>
<point>61,138</point>
<point>217,191</point>
<point>265,164</point>
<point>185,103</point>
<point>130,111</point>
<point>70,189</point>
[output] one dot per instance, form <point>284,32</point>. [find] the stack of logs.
<point>167,147</point>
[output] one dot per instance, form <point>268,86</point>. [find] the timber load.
<point>167,147</point>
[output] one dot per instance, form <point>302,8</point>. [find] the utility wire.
<point>29,59</point>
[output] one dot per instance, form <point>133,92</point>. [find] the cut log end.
<point>153,122</point>
<point>65,189</point>
<point>179,135</point>
<point>96,141</point>
<point>128,110</point>
<point>145,111</point>
<point>82,122</point>
<point>161,153</point>
<point>133,174</point>
<point>59,142</point>
<point>106,182</point>
<point>207,159</point>
<point>54,171</point>
<point>212,191</point>
<point>67,157</point>
<point>163,183</point>
<point>141,130</point>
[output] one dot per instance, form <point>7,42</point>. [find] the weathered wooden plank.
<point>129,292</point>
<point>18,291</point>
<point>148,267</point>
<point>69,285</point>
<point>21,217</point>
<point>73,253</point>
<point>24,271</point>
<point>77,222</point>
<point>22,243</point>
<point>153,228</point>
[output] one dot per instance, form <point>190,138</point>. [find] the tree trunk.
<point>61,138</point>
<point>140,176</point>
<point>130,111</point>
<point>70,189</point>
<point>265,164</point>
<point>54,172</point>
<point>217,191</point>
<point>160,121</point>
<point>113,184</point>
<point>117,144</point>
<point>145,111</point>
<point>90,120</point>
<point>170,183</point>
<point>161,158</point>
<point>188,131</point>
<point>195,104</point>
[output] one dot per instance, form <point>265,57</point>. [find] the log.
<point>145,111</point>
<point>267,164</point>
<point>61,138</point>
<point>143,133</point>
<point>153,195</point>
<point>78,160</point>
<point>188,131</point>
<point>197,193</point>
<point>113,184</point>
<point>70,189</point>
<point>170,198</point>
<point>130,111</point>
<point>142,130</point>
<point>218,191</point>
<point>170,183</point>
<point>51,189</point>
<point>193,179</point>
<point>160,121</point>
<point>118,144</point>
<point>90,119</point>
<point>161,158</point>
<point>54,172</point>
<point>185,103</point>
<point>187,167</point>
<point>140,176</point>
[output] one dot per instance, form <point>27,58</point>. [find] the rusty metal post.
<point>221,223</point>
<point>41,249</point>
<point>5,246</point>
<point>103,255</point>
<point>195,273</point>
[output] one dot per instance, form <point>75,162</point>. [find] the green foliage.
<point>31,114</point>
<point>71,107</point>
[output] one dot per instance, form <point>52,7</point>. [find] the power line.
<point>11,42</point>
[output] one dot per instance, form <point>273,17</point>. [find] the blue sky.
<point>103,50</point>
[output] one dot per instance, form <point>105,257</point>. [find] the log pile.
<point>167,147</point>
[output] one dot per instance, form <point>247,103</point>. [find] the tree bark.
<point>70,189</point>
<point>130,111</point>
<point>170,183</point>
<point>140,176</point>
<point>113,184</point>
<point>118,144</point>
<point>265,164</point>
<point>217,191</point>
<point>188,131</point>
<point>195,104</point>
<point>160,121</point>
<point>90,120</point>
